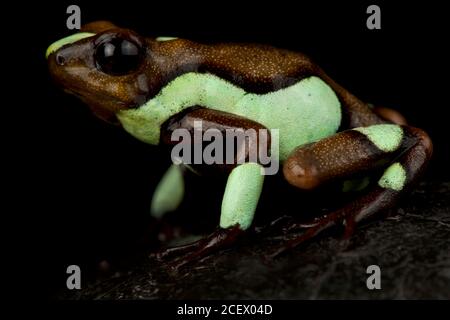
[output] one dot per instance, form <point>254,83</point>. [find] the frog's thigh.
<point>169,193</point>
<point>343,154</point>
<point>241,195</point>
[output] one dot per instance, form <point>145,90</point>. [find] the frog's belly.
<point>304,112</point>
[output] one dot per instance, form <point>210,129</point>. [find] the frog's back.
<point>254,67</point>
<point>277,88</point>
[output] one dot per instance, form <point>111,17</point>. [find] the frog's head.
<point>105,66</point>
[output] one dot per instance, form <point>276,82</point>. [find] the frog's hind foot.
<point>177,257</point>
<point>313,229</point>
<point>172,252</point>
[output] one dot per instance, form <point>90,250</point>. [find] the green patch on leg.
<point>241,196</point>
<point>393,178</point>
<point>169,192</point>
<point>387,137</point>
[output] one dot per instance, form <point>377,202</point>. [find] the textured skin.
<point>387,137</point>
<point>315,164</point>
<point>351,152</point>
<point>393,178</point>
<point>252,67</point>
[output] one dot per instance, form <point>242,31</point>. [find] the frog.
<point>152,86</point>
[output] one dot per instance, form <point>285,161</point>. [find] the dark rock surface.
<point>412,248</point>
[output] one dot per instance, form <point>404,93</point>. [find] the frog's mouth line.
<point>91,97</point>
<point>102,104</point>
<point>99,108</point>
<point>88,97</point>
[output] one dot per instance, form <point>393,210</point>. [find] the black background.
<point>86,186</point>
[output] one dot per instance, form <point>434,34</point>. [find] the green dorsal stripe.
<point>67,40</point>
<point>304,112</point>
<point>162,39</point>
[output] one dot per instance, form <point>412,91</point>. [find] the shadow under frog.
<point>153,86</point>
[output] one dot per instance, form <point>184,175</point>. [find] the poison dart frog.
<point>151,86</point>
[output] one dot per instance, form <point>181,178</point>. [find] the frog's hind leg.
<point>406,149</point>
<point>390,115</point>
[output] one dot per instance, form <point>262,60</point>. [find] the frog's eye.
<point>117,55</point>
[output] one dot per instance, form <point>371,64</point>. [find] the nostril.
<point>60,59</point>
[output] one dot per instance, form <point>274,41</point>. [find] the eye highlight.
<point>117,55</point>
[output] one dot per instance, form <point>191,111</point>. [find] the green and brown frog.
<point>151,86</point>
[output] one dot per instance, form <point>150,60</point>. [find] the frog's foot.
<point>166,253</point>
<point>344,217</point>
<point>171,253</point>
<point>407,149</point>
<point>283,226</point>
<point>185,254</point>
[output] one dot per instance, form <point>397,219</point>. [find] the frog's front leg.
<point>241,196</point>
<point>405,149</point>
<point>169,192</point>
<point>167,197</point>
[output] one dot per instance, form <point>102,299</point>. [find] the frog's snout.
<point>70,57</point>
<point>55,46</point>
<point>103,71</point>
<point>70,60</point>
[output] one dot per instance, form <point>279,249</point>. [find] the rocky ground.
<point>412,248</point>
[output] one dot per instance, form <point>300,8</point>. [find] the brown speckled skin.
<point>254,67</point>
<point>257,69</point>
<point>328,159</point>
